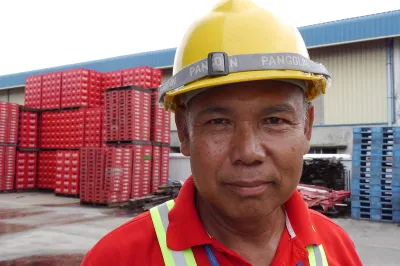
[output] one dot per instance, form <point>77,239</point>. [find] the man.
<point>241,92</point>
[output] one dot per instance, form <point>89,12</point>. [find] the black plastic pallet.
<point>127,88</point>
<point>127,142</point>
<point>64,109</point>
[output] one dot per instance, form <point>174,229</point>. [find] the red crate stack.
<point>33,92</point>
<point>106,174</point>
<point>25,176</point>
<point>156,78</point>
<point>140,76</point>
<point>93,127</point>
<point>112,79</point>
<point>142,166</point>
<point>118,172</point>
<point>28,130</point>
<point>67,173</point>
<point>157,120</point>
<point>111,116</point>
<point>138,115</point>
<point>81,87</point>
<point>156,168</point>
<point>7,167</point>
<point>165,150</point>
<point>64,129</point>
<point>47,169</point>
<point>122,115</point>
<point>96,92</point>
<point>51,90</point>
<point>91,174</point>
<point>9,120</point>
<point>166,137</point>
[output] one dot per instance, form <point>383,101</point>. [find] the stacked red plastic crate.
<point>80,87</point>
<point>128,114</point>
<point>51,90</point>
<point>111,79</point>
<point>33,91</point>
<point>63,129</point>
<point>111,116</point>
<point>156,168</point>
<point>138,114</point>
<point>160,121</point>
<point>118,172</point>
<point>25,177</point>
<point>9,120</point>
<point>143,77</point>
<point>106,174</point>
<point>96,92</point>
<point>67,173</point>
<point>142,176</point>
<point>7,167</point>
<point>93,127</point>
<point>47,169</point>
<point>160,165</point>
<point>165,150</point>
<point>28,130</point>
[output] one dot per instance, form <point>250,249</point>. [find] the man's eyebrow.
<point>215,110</point>
<point>278,108</point>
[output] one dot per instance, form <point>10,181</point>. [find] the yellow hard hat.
<point>239,41</point>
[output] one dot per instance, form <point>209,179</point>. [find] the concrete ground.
<point>43,229</point>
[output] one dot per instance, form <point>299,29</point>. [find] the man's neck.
<point>256,235</point>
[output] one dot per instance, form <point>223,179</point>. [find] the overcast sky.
<point>36,34</point>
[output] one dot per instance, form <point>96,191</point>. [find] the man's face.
<point>246,143</point>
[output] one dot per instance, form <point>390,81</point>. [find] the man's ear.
<point>183,131</point>
<point>309,122</point>
<point>308,128</point>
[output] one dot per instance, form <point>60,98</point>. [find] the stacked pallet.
<point>25,176</point>
<point>160,136</point>
<point>28,130</point>
<point>67,173</point>
<point>9,120</point>
<point>47,161</point>
<point>375,186</point>
<point>70,117</point>
<point>105,175</point>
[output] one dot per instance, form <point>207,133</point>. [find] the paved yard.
<point>42,229</point>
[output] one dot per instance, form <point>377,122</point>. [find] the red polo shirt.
<point>135,242</point>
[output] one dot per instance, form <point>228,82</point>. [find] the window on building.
<point>322,150</point>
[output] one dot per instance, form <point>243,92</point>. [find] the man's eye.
<point>219,121</point>
<point>273,120</point>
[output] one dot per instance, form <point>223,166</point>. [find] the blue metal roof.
<point>374,26</point>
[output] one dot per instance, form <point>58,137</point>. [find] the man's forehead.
<point>265,93</point>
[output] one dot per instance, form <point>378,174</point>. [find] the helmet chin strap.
<point>188,96</point>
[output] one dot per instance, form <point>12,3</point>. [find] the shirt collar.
<point>185,229</point>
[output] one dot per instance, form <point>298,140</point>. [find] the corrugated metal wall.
<point>358,93</point>
<point>15,95</point>
<point>3,95</point>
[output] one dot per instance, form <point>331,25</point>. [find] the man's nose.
<point>246,145</point>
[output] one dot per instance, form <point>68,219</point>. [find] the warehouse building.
<point>362,55</point>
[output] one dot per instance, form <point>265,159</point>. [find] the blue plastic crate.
<point>375,192</point>
<point>387,199</point>
<point>374,180</point>
<point>376,204</point>
<point>375,214</point>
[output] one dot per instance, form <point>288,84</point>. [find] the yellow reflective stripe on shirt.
<point>311,256</point>
<point>323,255</point>
<point>317,256</point>
<point>159,215</point>
<point>161,236</point>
